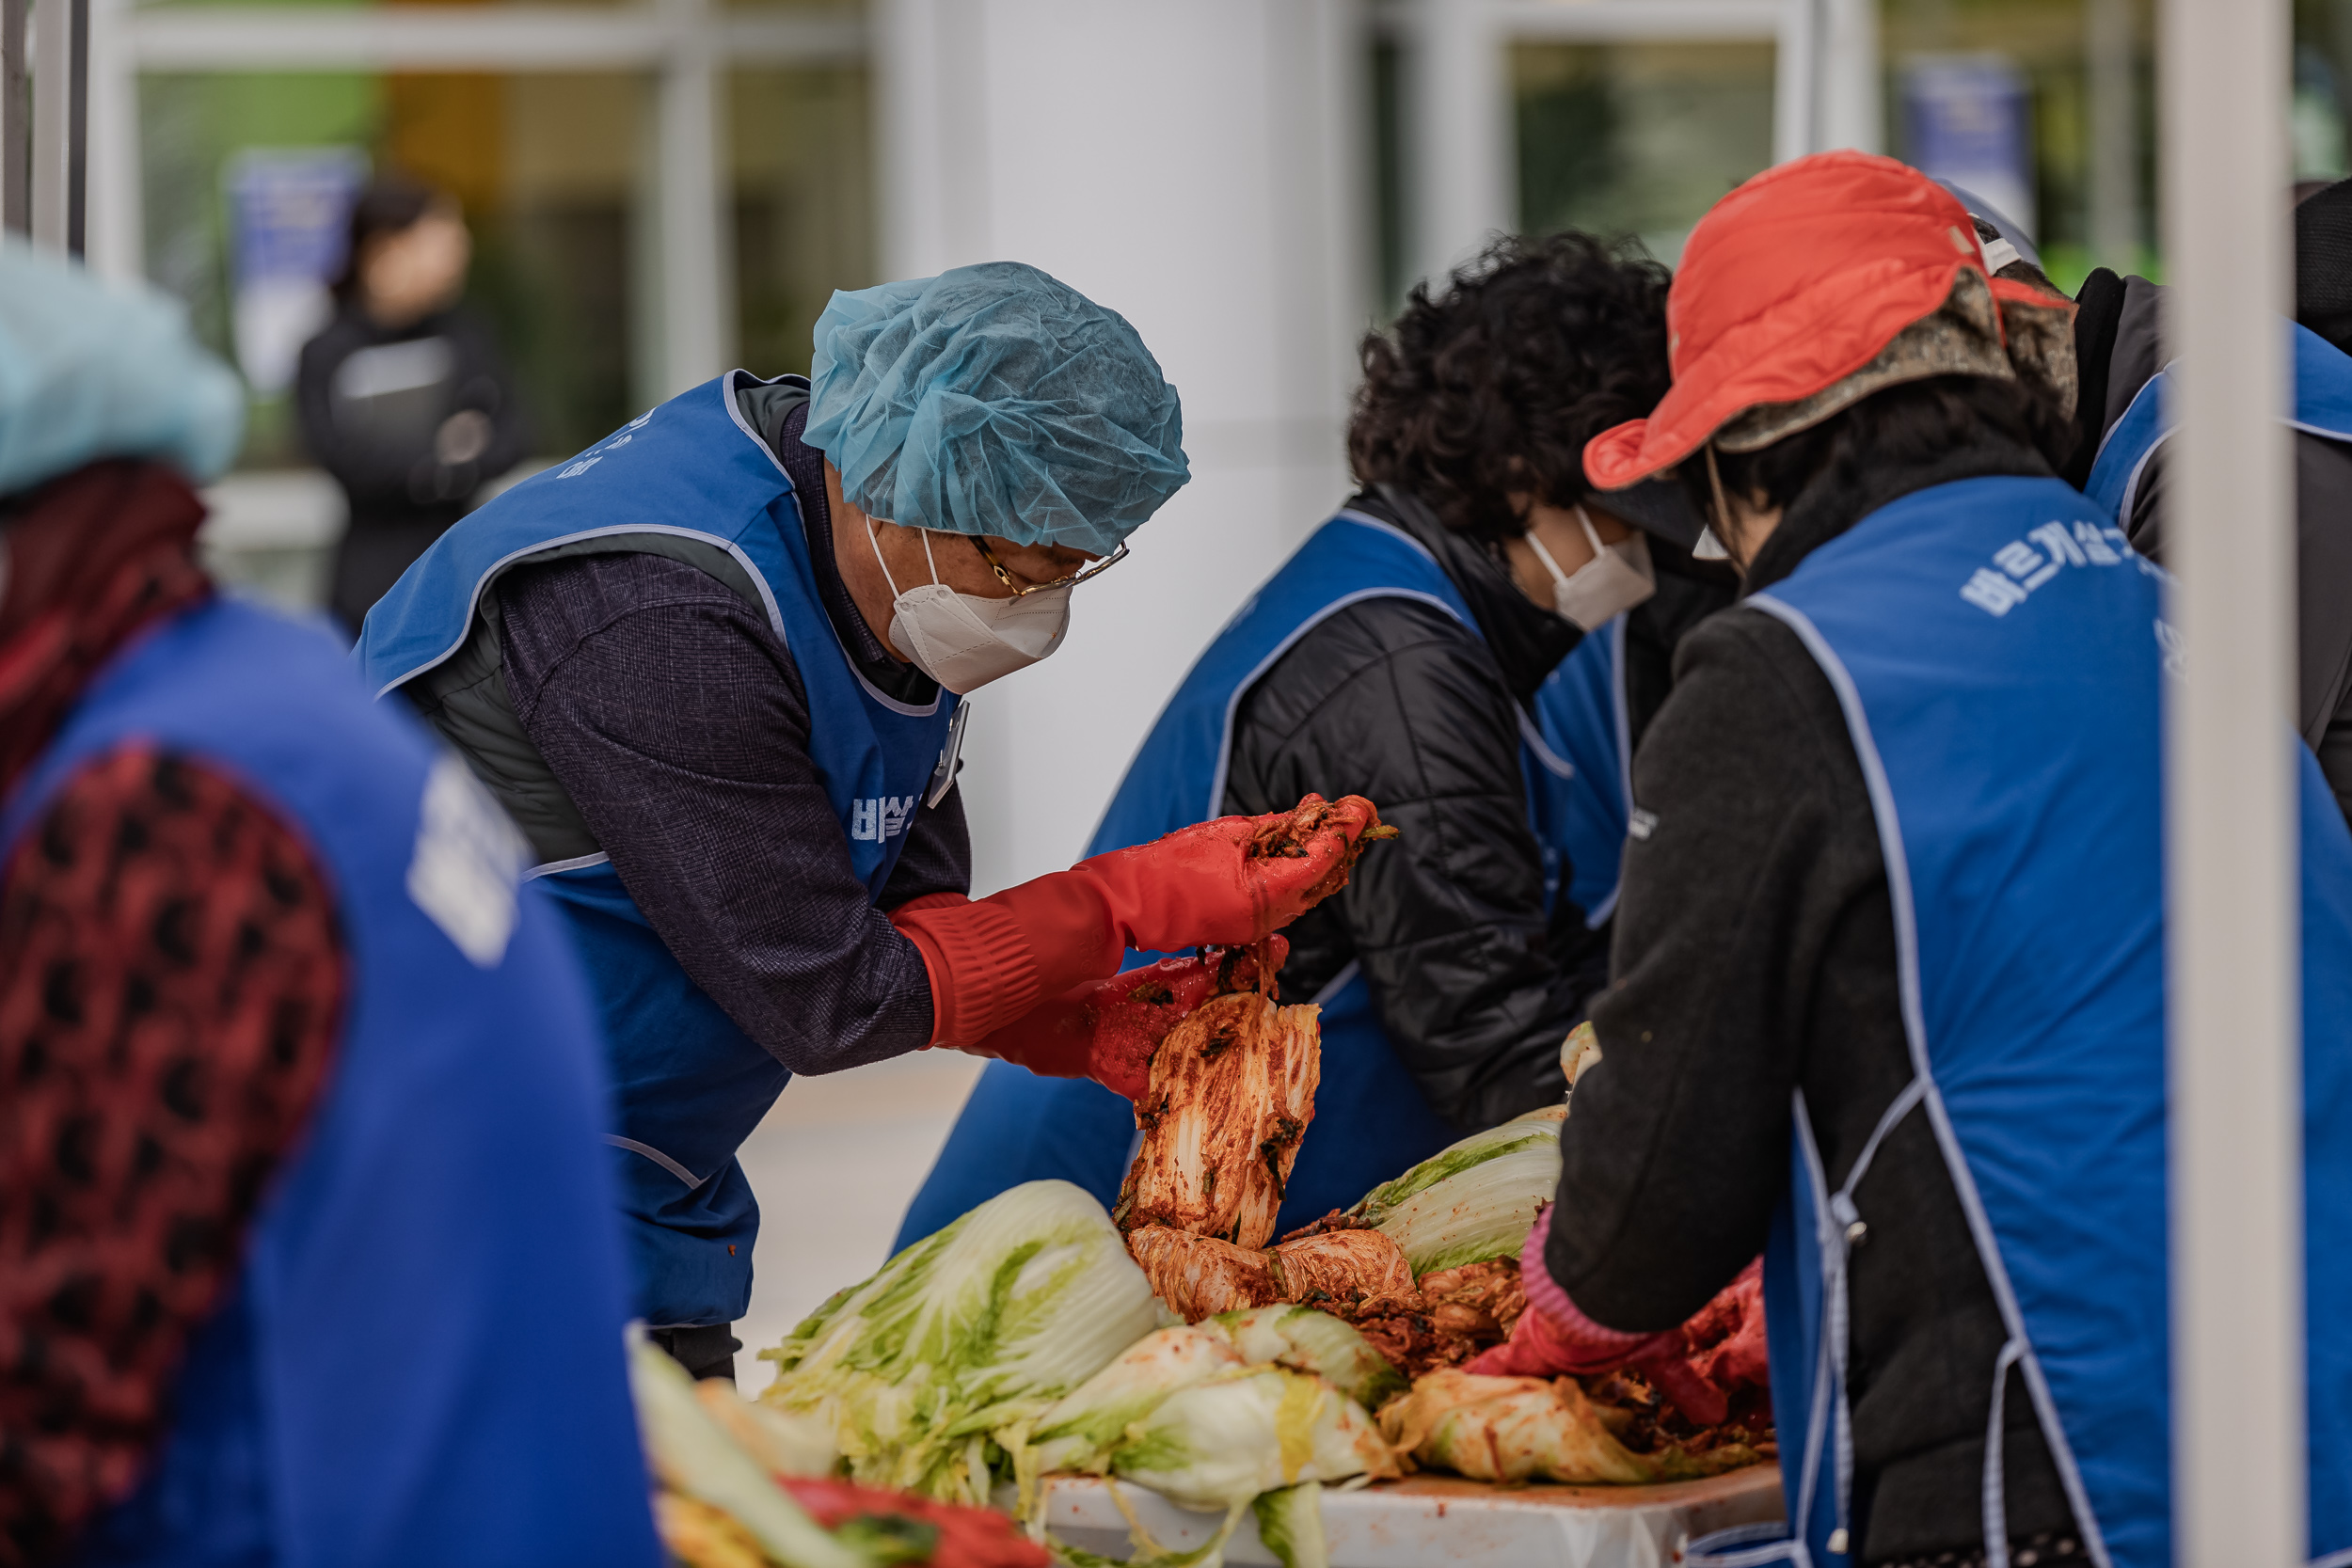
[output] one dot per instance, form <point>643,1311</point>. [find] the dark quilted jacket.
<point>1397,701</point>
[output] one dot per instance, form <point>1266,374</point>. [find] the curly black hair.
<point>1492,389</point>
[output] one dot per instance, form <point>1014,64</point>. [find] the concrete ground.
<point>834,1164</point>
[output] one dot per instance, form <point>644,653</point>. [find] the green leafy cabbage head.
<point>1081,1431</point>
<point>1290,1523</point>
<point>1306,1340</point>
<point>924,1368</point>
<point>1474,1200</point>
<point>693,1455</point>
<point>1218,1443</point>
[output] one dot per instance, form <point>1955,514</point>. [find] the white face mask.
<point>962,641</point>
<point>1614,581</point>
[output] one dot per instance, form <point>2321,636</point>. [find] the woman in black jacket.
<point>1404,653</point>
<point>403,397</point>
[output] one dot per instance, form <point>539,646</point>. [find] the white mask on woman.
<point>962,641</point>
<point>1614,581</point>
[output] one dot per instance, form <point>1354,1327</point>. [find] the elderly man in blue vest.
<point>713,666</point>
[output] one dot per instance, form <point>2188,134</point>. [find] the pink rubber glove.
<point>1552,1337</point>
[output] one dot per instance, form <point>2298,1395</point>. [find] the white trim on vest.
<point>735,411</point>
<point>658,1158</point>
<point>1622,708</point>
<point>1825,1389</point>
<point>2109,435</point>
<point>1241,689</point>
<point>578,863</point>
<point>2164,434</point>
<point>1553,763</point>
<point>759,579</point>
<point>1916,1033</point>
<point>474,600</point>
<point>1337,984</point>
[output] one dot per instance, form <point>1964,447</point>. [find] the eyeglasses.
<point>1093,569</point>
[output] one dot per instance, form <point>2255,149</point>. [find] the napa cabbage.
<point>1084,1430</point>
<point>1512,1430</point>
<point>1306,1340</point>
<point>1474,1201</point>
<point>1183,1414</point>
<point>1222,1441</point>
<point>693,1456</point>
<point>929,1373</point>
<point>1289,1522</point>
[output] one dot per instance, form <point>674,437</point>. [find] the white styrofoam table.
<point>1426,1521</point>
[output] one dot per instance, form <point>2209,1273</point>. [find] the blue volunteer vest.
<point>1370,1121</point>
<point>1582,715</point>
<point>359,1399</point>
<point>690,1084</point>
<point>2323,406</point>
<point>1997,649</point>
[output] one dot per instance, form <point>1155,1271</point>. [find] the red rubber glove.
<point>1553,1337</point>
<point>1107,1030</point>
<point>1226,883</point>
<point>1233,881</point>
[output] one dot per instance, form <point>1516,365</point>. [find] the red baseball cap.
<point>1794,281</point>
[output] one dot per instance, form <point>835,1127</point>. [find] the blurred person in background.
<point>404,397</point>
<point>1888,996</point>
<point>715,667</point>
<point>2121,428</point>
<point>302,1088</point>
<point>1413,651</point>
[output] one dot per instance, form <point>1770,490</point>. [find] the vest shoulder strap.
<point>767,403</point>
<point>464,697</point>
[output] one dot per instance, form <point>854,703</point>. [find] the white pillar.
<point>685,296</point>
<point>1461,164</point>
<point>1846,78</point>
<point>2238,1432</point>
<point>51,44</point>
<point>1797,107</point>
<point>932,137</point>
<point>116,241</point>
<point>1211,200</point>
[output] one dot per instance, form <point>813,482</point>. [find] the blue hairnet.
<point>91,369</point>
<point>995,400</point>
